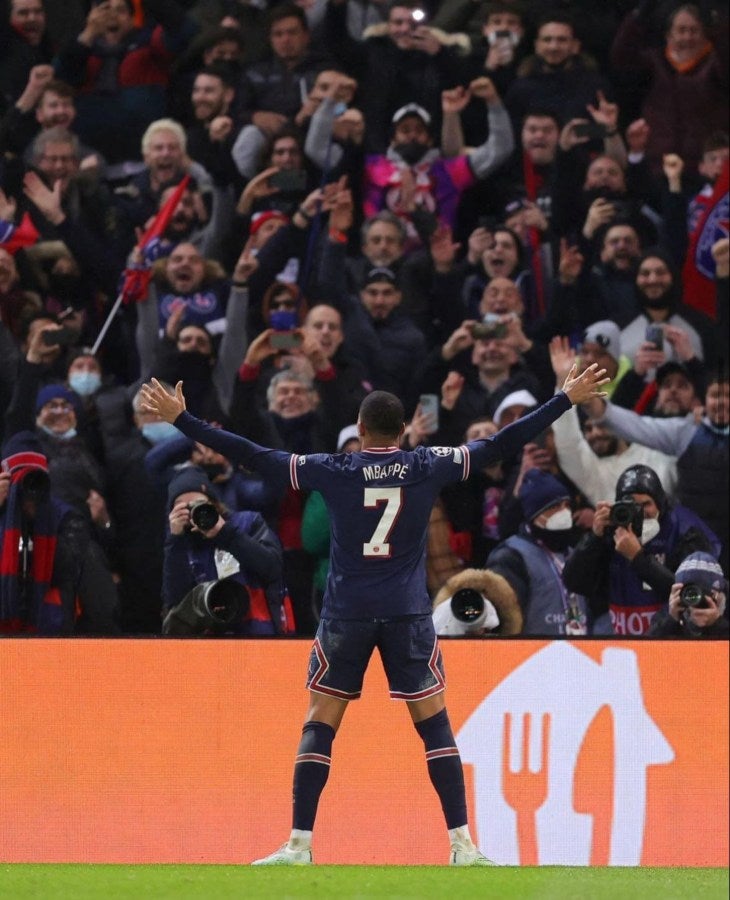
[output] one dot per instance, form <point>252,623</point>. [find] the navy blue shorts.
<point>408,648</point>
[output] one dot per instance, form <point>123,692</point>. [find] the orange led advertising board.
<point>155,751</point>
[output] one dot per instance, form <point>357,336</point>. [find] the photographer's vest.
<point>632,602</point>
<point>551,609</point>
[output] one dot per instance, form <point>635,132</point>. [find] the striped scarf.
<point>40,610</point>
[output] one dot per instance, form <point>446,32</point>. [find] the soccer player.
<point>379,499</point>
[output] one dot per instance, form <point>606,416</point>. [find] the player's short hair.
<point>382,413</point>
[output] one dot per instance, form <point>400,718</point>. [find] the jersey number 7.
<point>378,545</point>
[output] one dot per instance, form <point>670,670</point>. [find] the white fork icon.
<point>525,786</point>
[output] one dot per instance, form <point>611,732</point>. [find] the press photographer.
<point>625,564</point>
<point>223,571</point>
<point>696,602</point>
<point>476,603</point>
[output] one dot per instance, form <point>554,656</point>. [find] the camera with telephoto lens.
<point>627,514</point>
<point>466,613</point>
<point>468,607</point>
<point>212,606</point>
<point>203,514</point>
<point>692,596</point>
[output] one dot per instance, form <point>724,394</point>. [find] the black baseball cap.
<point>379,274</point>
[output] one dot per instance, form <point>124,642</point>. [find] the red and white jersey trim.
<point>293,462</point>
<point>466,461</point>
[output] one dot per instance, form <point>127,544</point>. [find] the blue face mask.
<point>84,383</point>
<point>283,319</point>
<point>67,435</point>
<point>156,432</point>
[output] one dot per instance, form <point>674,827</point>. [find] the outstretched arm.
<point>171,408</point>
<point>576,389</point>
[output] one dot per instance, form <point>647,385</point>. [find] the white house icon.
<point>562,687</point>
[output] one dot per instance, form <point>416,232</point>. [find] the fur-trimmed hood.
<point>498,591</point>
<point>534,65</point>
<point>459,41</point>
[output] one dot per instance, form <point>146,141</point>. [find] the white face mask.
<point>155,432</point>
<point>562,520</point>
<point>84,383</point>
<point>63,436</point>
<point>649,530</point>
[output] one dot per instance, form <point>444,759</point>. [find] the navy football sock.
<point>311,770</point>
<point>444,767</point>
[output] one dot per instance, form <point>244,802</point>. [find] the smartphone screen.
<point>289,180</point>
<point>429,404</point>
<point>285,340</point>
<point>655,335</point>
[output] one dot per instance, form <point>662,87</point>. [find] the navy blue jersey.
<point>379,502</point>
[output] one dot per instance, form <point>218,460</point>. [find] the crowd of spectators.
<point>289,204</point>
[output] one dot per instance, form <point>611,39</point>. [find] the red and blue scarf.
<point>43,613</point>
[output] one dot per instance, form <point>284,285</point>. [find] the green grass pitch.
<point>172,882</point>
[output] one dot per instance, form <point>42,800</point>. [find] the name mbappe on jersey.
<point>379,503</point>
<point>392,470</point>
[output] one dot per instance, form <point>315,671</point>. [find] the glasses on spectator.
<point>283,303</point>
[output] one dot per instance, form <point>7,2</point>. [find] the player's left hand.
<point>580,388</point>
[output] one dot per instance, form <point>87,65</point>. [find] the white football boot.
<point>286,857</point>
<point>468,855</point>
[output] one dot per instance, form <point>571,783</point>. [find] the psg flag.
<point>137,277</point>
<point>698,275</point>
